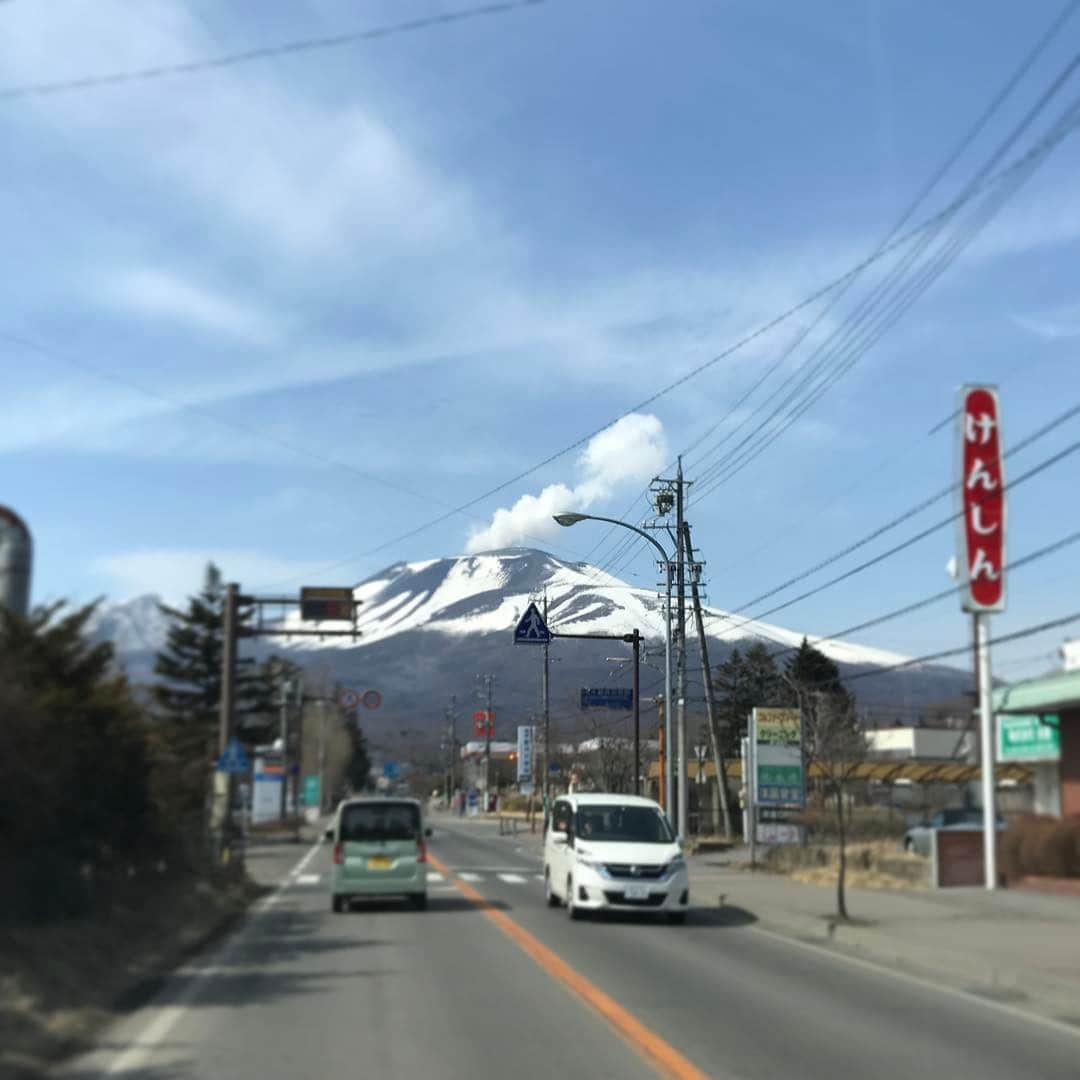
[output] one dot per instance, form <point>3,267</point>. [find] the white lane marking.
<point>434,875</point>
<point>308,879</point>
<point>538,877</point>
<point>444,888</point>
<point>488,869</point>
<point>466,876</point>
<point>512,879</point>
<point>167,1018</point>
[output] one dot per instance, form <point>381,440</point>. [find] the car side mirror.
<point>428,831</point>
<point>329,834</point>
<point>558,837</point>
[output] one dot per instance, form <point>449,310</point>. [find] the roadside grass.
<point>61,982</point>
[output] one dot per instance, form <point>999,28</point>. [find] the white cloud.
<point>630,452</point>
<point>174,573</point>
<point>157,294</point>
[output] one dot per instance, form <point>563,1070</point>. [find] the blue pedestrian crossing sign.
<point>531,628</point>
<point>234,760</point>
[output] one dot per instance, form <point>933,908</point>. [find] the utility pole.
<point>228,666</point>
<point>636,690</point>
<point>710,703</point>
<point>488,680</point>
<point>286,685</point>
<point>451,746</point>
<point>680,670</point>
<point>545,704</point>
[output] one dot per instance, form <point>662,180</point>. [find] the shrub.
<point>1042,846</point>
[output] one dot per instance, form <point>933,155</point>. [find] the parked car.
<point>380,849</point>
<point>614,853</point>
<point>917,838</point>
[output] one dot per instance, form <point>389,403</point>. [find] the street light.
<point>571,518</point>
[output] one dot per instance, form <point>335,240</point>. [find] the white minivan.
<point>614,853</point>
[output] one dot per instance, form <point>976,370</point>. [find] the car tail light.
<point>339,853</point>
<point>421,850</point>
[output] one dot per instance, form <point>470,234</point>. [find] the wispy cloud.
<point>159,294</point>
<point>174,573</point>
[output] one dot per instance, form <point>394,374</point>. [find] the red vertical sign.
<point>981,540</point>
<point>484,724</point>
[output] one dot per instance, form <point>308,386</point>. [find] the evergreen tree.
<point>811,671</point>
<point>358,771</point>
<point>741,683</point>
<point>188,692</point>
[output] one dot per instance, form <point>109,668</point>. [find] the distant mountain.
<point>428,629</point>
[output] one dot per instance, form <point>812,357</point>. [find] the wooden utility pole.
<point>710,703</point>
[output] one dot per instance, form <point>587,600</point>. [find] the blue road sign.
<point>233,760</point>
<point>390,770</point>
<point>531,628</point>
<point>606,697</point>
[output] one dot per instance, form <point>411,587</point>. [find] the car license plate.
<point>380,862</point>
<point>637,892</point>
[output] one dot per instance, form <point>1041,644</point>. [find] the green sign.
<point>1028,738</point>
<point>311,790</point>
<point>778,750</point>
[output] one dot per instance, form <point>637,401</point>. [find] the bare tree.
<point>834,743</point>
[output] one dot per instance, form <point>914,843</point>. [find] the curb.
<point>1027,990</point>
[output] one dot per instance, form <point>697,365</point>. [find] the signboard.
<point>484,724</point>
<point>318,604</point>
<point>390,770</point>
<point>526,738</point>
<point>981,516</point>
<point>531,628</point>
<point>1025,738</point>
<point>371,699</point>
<point>775,832</point>
<point>233,759</point>
<point>312,785</point>
<point>778,779</point>
<point>348,700</point>
<point>606,697</point>
<point>266,791</point>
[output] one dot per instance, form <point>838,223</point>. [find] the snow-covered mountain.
<point>428,629</point>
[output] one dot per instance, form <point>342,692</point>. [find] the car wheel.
<point>572,909</point>
<point>549,892</point>
<point>419,901</point>
<point>338,904</point>
<point>676,918</point>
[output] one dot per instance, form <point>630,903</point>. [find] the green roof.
<point>1049,694</point>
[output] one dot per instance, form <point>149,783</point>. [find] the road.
<point>489,982</point>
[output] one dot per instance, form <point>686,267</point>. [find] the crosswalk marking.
<point>307,879</point>
<point>466,876</point>
<point>512,879</point>
<point>434,875</point>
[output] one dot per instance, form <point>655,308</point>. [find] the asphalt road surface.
<point>489,982</point>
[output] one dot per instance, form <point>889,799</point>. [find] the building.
<point>1041,718</point>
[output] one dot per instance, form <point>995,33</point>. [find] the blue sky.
<point>280,313</point>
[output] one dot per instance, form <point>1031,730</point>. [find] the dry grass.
<point>63,982</point>
<point>874,865</point>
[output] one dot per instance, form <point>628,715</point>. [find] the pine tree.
<point>742,683</point>
<point>811,671</point>
<point>358,771</point>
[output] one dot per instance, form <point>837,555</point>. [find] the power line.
<point>1004,639</point>
<point>247,56</point>
<point>953,590</point>
<point>911,512</point>
<point>1042,148</point>
<point>877,313</point>
<point>930,530</point>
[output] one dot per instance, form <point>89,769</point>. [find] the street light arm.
<point>573,519</point>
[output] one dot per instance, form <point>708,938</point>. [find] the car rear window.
<point>380,821</point>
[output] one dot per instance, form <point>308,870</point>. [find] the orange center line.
<point>660,1053</point>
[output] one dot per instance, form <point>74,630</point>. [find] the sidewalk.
<point>1014,946</point>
